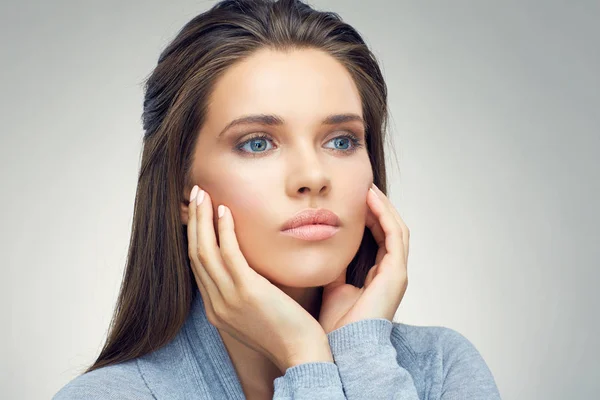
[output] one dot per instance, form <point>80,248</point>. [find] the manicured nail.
<point>221,210</point>
<point>194,193</point>
<point>200,197</point>
<point>372,189</point>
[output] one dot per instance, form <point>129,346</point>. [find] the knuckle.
<point>212,318</point>
<point>226,255</point>
<point>200,254</point>
<point>220,311</point>
<point>234,302</point>
<point>398,233</point>
<point>195,262</point>
<point>244,293</point>
<point>236,299</point>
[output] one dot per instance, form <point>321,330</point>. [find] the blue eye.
<point>343,140</point>
<point>257,144</point>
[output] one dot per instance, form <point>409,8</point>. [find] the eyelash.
<point>356,144</point>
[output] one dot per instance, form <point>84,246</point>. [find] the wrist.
<point>311,353</point>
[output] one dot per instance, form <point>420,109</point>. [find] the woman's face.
<point>303,163</point>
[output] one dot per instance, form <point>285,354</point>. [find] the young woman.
<point>265,259</point>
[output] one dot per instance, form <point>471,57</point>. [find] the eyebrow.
<point>275,120</point>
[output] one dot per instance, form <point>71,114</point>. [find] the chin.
<point>304,265</point>
<point>304,270</point>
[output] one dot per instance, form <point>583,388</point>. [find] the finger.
<point>208,249</point>
<point>388,204</point>
<point>394,211</point>
<point>389,225</point>
<point>208,305</point>
<point>203,280</point>
<point>373,224</point>
<point>230,249</point>
<point>371,274</point>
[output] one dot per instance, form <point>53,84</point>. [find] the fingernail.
<point>372,189</point>
<point>221,210</point>
<point>194,193</point>
<point>200,197</point>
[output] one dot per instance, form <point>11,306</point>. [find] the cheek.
<point>249,205</point>
<point>354,193</point>
<point>255,228</point>
<point>242,193</point>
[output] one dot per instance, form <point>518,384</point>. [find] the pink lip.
<point>312,232</point>
<point>312,224</point>
<point>312,216</point>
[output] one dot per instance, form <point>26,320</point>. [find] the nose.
<point>307,176</point>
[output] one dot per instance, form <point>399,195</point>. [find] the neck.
<point>308,298</point>
<point>255,371</point>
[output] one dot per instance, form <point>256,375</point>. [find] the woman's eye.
<point>343,141</point>
<point>254,145</point>
<point>259,144</point>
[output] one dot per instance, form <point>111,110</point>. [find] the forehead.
<point>303,86</point>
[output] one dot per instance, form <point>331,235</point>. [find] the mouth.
<point>312,224</point>
<point>312,232</point>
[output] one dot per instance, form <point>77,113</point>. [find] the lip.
<point>312,232</point>
<point>312,216</point>
<point>312,224</point>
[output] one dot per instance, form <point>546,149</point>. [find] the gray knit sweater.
<point>373,359</point>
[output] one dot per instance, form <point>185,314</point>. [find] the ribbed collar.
<point>196,364</point>
<point>196,359</point>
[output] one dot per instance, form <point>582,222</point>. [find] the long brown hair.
<point>158,285</point>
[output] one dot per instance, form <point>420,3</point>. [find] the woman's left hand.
<point>386,281</point>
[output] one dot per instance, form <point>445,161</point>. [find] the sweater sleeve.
<point>369,369</point>
<point>366,359</point>
<point>364,367</point>
<point>308,381</point>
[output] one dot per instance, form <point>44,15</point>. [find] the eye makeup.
<point>355,142</point>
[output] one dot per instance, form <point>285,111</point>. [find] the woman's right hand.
<point>242,302</point>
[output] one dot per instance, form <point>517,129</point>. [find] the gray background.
<point>495,118</point>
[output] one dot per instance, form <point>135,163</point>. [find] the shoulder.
<point>427,338</point>
<point>447,345</point>
<point>446,354</point>
<point>122,381</point>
